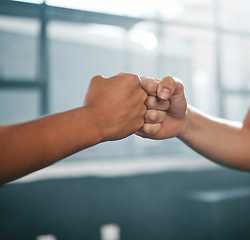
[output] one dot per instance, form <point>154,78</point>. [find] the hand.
<point>117,105</point>
<point>155,114</point>
<point>169,90</point>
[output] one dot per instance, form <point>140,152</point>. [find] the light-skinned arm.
<point>107,115</point>
<point>224,142</point>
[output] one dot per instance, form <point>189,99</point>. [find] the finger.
<point>154,116</point>
<point>169,86</point>
<point>149,130</point>
<point>154,103</point>
<point>149,85</point>
<point>163,105</point>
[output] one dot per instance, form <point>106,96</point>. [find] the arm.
<point>107,115</point>
<point>30,146</point>
<point>225,142</point>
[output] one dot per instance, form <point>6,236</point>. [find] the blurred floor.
<point>204,203</point>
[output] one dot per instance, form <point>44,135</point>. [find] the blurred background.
<point>133,188</point>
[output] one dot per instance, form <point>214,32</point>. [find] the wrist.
<point>186,127</point>
<point>90,126</point>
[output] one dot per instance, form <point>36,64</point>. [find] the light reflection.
<point>122,7</point>
<point>143,33</point>
<point>169,9</point>
<point>200,77</point>
<point>30,1</point>
<point>149,9</point>
<point>147,39</point>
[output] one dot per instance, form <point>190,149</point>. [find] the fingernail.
<point>164,94</point>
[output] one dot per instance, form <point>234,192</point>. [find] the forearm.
<point>30,146</point>
<point>225,142</point>
<point>106,116</point>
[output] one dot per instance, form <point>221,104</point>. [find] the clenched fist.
<point>167,100</point>
<point>117,105</point>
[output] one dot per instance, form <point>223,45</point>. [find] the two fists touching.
<point>114,108</point>
<point>125,104</point>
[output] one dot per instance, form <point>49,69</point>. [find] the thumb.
<point>166,88</point>
<point>163,93</point>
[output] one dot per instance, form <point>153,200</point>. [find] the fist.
<point>156,109</point>
<point>166,95</point>
<point>117,105</point>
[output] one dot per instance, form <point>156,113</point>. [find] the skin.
<point>156,109</point>
<point>106,116</point>
<point>224,142</point>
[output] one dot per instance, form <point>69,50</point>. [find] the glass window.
<point>186,11</point>
<point>196,12</point>
<point>18,44</point>
<point>180,48</point>
<point>190,54</point>
<point>150,9</point>
<point>18,106</point>
<point>77,53</point>
<point>235,55</point>
<point>236,106</point>
<point>234,15</point>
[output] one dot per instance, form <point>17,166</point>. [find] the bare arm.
<point>224,142</point>
<point>27,147</point>
<point>33,145</point>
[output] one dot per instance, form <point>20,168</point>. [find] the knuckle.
<point>153,115</point>
<point>135,78</point>
<point>140,124</point>
<point>132,80</point>
<point>181,86</point>
<point>96,78</point>
<point>151,88</point>
<point>172,81</point>
<point>148,129</point>
<point>169,80</point>
<point>142,112</point>
<point>151,102</point>
<point>178,80</point>
<point>129,76</point>
<point>144,96</point>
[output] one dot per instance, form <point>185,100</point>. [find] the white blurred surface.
<point>110,232</point>
<point>125,167</point>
